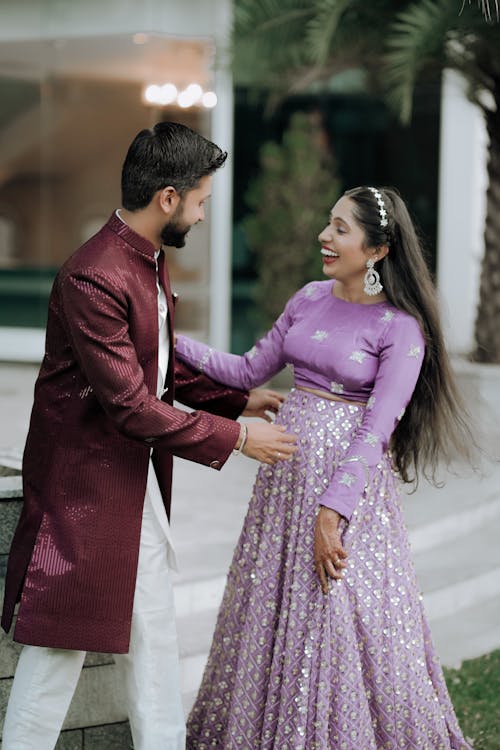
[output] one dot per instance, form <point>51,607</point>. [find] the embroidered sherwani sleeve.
<point>95,313</point>
<point>401,355</point>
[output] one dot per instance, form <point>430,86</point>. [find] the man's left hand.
<point>263,403</point>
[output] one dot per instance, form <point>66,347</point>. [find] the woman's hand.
<point>263,402</point>
<point>329,554</point>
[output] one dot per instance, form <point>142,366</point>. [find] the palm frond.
<point>417,36</point>
<point>254,18</point>
<point>322,28</point>
<point>268,40</point>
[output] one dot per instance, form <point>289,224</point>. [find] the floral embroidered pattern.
<point>336,387</point>
<point>203,361</point>
<point>371,439</point>
<point>387,316</point>
<point>414,351</point>
<point>347,479</point>
<point>371,402</point>
<point>319,335</point>
<point>401,414</point>
<point>310,290</point>
<point>362,460</point>
<point>358,356</point>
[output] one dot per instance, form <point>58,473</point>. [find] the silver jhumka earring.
<point>372,279</point>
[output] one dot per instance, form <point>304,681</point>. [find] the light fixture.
<point>195,91</point>
<point>190,95</point>
<point>152,94</point>
<point>184,100</point>
<point>193,94</point>
<point>168,93</point>
<point>209,99</point>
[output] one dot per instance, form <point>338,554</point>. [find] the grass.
<point>475,693</point>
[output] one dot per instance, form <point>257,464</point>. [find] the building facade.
<point>77,81</point>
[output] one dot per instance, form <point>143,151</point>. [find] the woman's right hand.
<point>269,443</point>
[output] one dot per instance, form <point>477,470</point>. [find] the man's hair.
<point>167,154</point>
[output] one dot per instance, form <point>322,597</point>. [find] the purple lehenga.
<point>291,668</point>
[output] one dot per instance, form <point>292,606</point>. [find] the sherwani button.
<point>215,464</point>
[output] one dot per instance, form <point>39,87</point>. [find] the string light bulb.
<point>168,94</point>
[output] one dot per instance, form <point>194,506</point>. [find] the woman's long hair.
<point>435,427</point>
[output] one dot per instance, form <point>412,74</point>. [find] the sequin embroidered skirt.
<point>293,669</point>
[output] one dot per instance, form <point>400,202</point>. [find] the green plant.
<point>475,691</point>
<point>290,201</point>
<point>296,42</point>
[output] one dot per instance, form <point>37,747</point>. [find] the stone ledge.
<point>98,700</point>
<point>9,509</point>
<point>11,487</point>
<point>108,737</point>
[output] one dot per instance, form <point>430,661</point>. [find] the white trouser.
<point>46,678</point>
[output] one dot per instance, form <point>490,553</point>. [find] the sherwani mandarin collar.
<point>131,237</point>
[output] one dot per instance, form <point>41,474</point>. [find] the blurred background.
<point>310,98</point>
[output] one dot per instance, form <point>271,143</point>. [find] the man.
<point>90,557</point>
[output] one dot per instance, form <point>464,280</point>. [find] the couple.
<point>321,641</point>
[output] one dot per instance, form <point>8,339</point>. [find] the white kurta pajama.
<point>46,678</point>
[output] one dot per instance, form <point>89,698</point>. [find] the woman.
<point>321,642</point>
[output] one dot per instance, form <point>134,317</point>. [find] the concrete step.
<point>469,633</point>
<point>460,487</point>
<point>461,522</point>
<point>466,501</point>
<point>460,573</point>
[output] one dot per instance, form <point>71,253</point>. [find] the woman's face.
<point>342,246</point>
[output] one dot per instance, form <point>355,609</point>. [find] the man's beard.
<point>174,233</point>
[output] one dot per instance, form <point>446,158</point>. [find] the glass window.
<point>69,111</point>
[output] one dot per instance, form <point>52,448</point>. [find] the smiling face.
<point>343,247</point>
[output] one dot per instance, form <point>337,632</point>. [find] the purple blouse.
<point>370,353</point>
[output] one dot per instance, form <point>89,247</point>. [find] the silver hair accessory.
<point>381,206</point>
<point>372,279</point>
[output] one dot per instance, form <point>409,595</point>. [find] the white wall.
<point>462,207</point>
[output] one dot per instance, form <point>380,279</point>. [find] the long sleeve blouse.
<point>369,353</point>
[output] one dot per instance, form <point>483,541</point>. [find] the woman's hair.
<point>435,426</point>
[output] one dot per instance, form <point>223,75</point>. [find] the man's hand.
<point>261,401</point>
<point>329,554</point>
<point>269,443</point>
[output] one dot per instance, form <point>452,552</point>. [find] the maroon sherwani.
<point>95,418</point>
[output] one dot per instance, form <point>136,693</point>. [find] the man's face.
<point>190,210</point>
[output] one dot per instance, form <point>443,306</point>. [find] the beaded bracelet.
<point>239,450</point>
